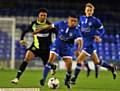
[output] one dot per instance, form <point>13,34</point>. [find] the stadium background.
<point>25,11</point>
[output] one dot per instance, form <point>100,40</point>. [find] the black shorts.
<point>42,53</point>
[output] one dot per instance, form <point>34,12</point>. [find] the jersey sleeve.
<point>26,30</point>
<point>57,24</point>
<point>100,28</point>
<point>78,34</point>
<point>79,23</point>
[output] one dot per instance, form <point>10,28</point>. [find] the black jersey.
<point>43,39</point>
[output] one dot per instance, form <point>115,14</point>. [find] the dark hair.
<point>74,15</point>
<point>43,10</point>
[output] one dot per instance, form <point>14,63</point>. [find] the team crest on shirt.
<point>53,49</point>
<point>82,22</point>
<point>70,34</point>
<point>61,30</point>
<point>90,23</point>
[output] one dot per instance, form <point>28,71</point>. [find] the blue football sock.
<point>103,64</point>
<point>87,66</point>
<point>77,70</point>
<point>46,70</point>
<point>68,76</point>
<point>96,70</point>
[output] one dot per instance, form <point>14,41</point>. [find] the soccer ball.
<point>53,83</point>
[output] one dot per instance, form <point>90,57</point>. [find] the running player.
<point>67,33</point>
<point>91,30</point>
<point>41,43</point>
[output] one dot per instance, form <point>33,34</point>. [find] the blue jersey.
<point>65,38</point>
<point>90,26</point>
<point>65,33</point>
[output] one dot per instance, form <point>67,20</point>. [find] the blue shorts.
<point>61,49</point>
<point>89,49</point>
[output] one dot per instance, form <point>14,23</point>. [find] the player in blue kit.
<point>62,46</point>
<point>92,31</point>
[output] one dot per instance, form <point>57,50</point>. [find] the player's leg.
<point>102,63</point>
<point>28,57</point>
<point>53,69</point>
<point>83,55</point>
<point>44,54</point>
<point>96,70</point>
<point>96,66</point>
<point>68,63</point>
<point>47,67</point>
<point>88,68</point>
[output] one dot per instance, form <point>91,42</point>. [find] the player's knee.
<point>50,60</point>
<point>79,60</point>
<point>52,57</point>
<point>27,59</point>
<point>97,62</point>
<point>70,63</point>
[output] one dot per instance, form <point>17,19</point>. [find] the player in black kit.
<point>41,43</point>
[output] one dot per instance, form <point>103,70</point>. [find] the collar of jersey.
<point>41,22</point>
<point>88,16</point>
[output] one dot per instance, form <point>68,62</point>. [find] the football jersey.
<point>64,42</point>
<point>65,33</point>
<point>41,40</point>
<point>90,26</point>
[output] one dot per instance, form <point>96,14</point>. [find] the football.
<point>53,83</point>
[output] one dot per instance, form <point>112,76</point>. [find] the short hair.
<point>43,10</point>
<point>90,5</point>
<point>74,15</point>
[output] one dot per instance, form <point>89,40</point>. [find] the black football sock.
<point>21,69</point>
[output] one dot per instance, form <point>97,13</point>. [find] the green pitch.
<point>30,79</point>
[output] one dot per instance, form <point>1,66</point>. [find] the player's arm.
<point>23,33</point>
<point>78,44</point>
<point>22,41</point>
<point>79,39</point>
<point>53,26</point>
<point>46,27</point>
<point>100,31</point>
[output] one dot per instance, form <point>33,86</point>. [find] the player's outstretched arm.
<point>46,27</point>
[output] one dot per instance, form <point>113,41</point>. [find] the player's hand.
<point>35,32</point>
<point>97,39</point>
<point>77,53</point>
<point>22,42</point>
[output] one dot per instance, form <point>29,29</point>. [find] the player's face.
<point>42,16</point>
<point>72,22</point>
<point>89,11</point>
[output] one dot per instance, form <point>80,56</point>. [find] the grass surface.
<point>30,79</point>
